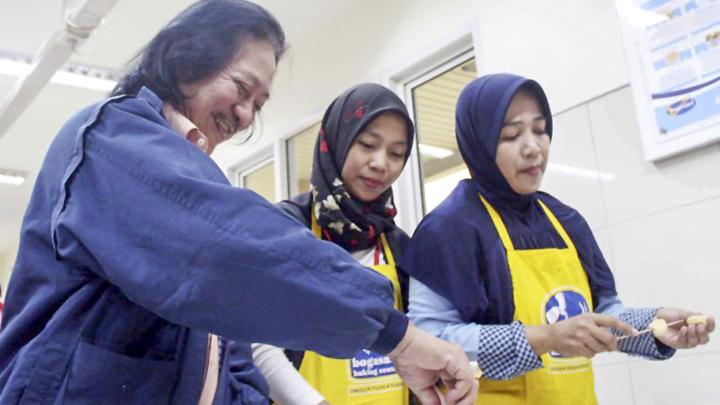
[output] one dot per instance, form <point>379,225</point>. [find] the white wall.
<point>572,47</point>
<point>658,227</point>
<point>657,224</point>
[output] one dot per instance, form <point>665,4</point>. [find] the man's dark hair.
<point>199,43</point>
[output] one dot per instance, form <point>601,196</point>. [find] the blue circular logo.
<point>563,305</point>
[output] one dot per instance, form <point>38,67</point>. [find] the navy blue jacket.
<point>134,246</point>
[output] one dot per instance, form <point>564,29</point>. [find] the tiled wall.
<point>658,225</point>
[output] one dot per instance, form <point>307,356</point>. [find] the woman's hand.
<point>584,335</point>
<point>684,336</point>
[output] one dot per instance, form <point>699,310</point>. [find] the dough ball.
<point>696,320</point>
<point>659,327</point>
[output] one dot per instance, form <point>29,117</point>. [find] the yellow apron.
<point>549,285</point>
<point>368,378</point>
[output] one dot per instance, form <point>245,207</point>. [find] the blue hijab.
<point>456,250</point>
<point>479,117</point>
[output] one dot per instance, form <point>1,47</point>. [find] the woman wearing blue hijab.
<point>520,282</point>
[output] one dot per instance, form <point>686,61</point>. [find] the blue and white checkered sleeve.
<point>644,345</point>
<point>505,352</point>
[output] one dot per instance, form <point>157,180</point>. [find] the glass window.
<point>433,101</point>
<point>261,179</point>
<point>300,156</point>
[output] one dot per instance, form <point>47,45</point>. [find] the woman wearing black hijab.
<point>364,141</point>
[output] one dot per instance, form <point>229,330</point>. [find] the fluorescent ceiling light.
<point>13,178</point>
<point>13,68</point>
<point>576,171</point>
<point>88,82</point>
<point>434,151</point>
<point>16,68</point>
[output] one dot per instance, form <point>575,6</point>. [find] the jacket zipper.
<point>207,365</point>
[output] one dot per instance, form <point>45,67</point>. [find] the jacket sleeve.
<point>145,210</point>
<point>297,210</point>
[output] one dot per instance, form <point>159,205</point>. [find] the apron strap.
<point>499,224</point>
<point>388,270</point>
<point>505,236</point>
<point>386,249</point>
<point>558,227</point>
<point>316,229</point>
<point>314,226</point>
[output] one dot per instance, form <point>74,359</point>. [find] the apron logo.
<point>367,364</point>
<point>564,304</point>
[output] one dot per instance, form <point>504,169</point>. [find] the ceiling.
<point>368,41</point>
<point>26,24</point>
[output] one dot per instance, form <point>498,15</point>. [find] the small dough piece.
<point>475,369</point>
<point>659,327</point>
<point>696,320</point>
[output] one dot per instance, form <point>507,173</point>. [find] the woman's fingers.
<point>703,334</point>
<point>587,334</point>
<point>710,327</point>
<point>612,322</point>
<point>586,351</point>
<point>606,339</point>
<point>695,332</point>
<point>604,336</point>
<point>692,337</point>
<point>593,344</point>
<point>682,337</point>
<point>600,339</point>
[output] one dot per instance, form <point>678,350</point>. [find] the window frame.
<point>440,58</point>
<point>289,156</point>
<point>439,70</point>
<point>265,155</point>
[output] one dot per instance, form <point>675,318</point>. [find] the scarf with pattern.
<point>346,221</point>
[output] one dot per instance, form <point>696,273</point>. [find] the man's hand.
<point>421,360</point>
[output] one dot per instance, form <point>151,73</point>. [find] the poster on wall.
<point>673,51</point>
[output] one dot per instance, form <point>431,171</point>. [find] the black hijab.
<point>346,221</point>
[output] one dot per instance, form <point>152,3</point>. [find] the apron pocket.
<point>100,376</point>
<point>514,385</point>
